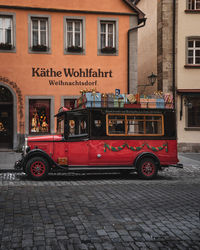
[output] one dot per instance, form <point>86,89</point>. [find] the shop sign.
<point>70,74</point>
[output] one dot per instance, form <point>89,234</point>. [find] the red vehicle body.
<point>102,139</point>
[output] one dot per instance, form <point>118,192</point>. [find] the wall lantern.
<point>151,79</point>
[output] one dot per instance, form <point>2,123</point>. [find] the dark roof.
<point>132,5</point>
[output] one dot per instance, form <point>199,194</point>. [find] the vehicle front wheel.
<point>37,168</point>
<point>147,169</point>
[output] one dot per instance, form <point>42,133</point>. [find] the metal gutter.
<point>174,55</point>
<point>129,31</point>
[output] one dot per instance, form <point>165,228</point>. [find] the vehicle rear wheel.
<point>37,168</point>
<point>147,168</point>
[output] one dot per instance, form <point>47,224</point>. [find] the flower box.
<point>75,49</point>
<point>108,50</point>
<point>5,46</point>
<point>39,48</point>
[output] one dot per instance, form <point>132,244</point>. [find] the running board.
<point>86,168</point>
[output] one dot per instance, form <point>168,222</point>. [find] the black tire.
<point>37,168</point>
<point>147,168</point>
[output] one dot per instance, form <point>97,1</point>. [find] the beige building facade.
<point>173,26</point>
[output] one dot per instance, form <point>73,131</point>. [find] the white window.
<point>39,34</point>
<point>107,34</point>
<point>193,4</point>
<point>6,31</point>
<point>74,41</point>
<point>193,51</point>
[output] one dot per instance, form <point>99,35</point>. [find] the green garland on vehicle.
<point>117,149</point>
<point>156,149</point>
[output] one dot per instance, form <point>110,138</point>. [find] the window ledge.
<point>192,66</point>
<point>192,129</point>
<point>192,11</point>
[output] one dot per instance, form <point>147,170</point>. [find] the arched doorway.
<point>6,118</point>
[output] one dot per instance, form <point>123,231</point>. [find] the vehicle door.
<point>77,139</point>
<point>109,144</point>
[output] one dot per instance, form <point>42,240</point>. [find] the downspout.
<point>174,55</point>
<point>129,31</point>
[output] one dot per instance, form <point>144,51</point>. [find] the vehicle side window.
<point>71,127</point>
<point>98,124</point>
<point>60,125</point>
<point>116,124</point>
<point>135,125</point>
<point>78,126</point>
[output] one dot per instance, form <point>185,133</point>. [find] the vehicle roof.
<point>117,109</point>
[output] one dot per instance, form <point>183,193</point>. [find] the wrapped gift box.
<point>168,98</point>
<point>151,103</point>
<point>80,102</point>
<point>111,100</point>
<point>132,105</point>
<point>116,101</point>
<point>120,100</point>
<point>104,100</point>
<point>144,102</point>
<point>160,103</point>
<point>123,100</point>
<point>93,99</point>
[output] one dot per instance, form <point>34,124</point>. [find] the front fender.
<point>146,154</point>
<point>37,152</point>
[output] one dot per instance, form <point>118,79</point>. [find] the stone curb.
<point>10,171</point>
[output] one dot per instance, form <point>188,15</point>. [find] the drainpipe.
<point>174,54</point>
<point>129,31</point>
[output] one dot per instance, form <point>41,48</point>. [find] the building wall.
<point>147,46</point>
<point>165,63</point>
<point>22,70</point>
<point>187,78</point>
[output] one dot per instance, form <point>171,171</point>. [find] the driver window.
<point>78,126</point>
<point>71,127</point>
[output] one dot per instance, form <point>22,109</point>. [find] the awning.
<point>188,91</point>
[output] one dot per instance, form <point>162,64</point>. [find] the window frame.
<point>107,33</point>
<point>126,124</point>
<point>75,131</point>
<point>12,16</point>
<point>32,17</point>
<point>51,114</point>
<point>189,3</point>
<point>187,115</point>
<point>114,50</point>
<point>193,49</point>
<point>82,35</point>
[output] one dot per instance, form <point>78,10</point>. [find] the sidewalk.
<point>8,159</point>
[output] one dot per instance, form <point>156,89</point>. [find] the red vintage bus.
<point>104,139</point>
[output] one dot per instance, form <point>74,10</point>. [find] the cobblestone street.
<point>101,211</point>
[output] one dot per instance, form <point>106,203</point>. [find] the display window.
<point>39,116</point>
<point>69,103</point>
